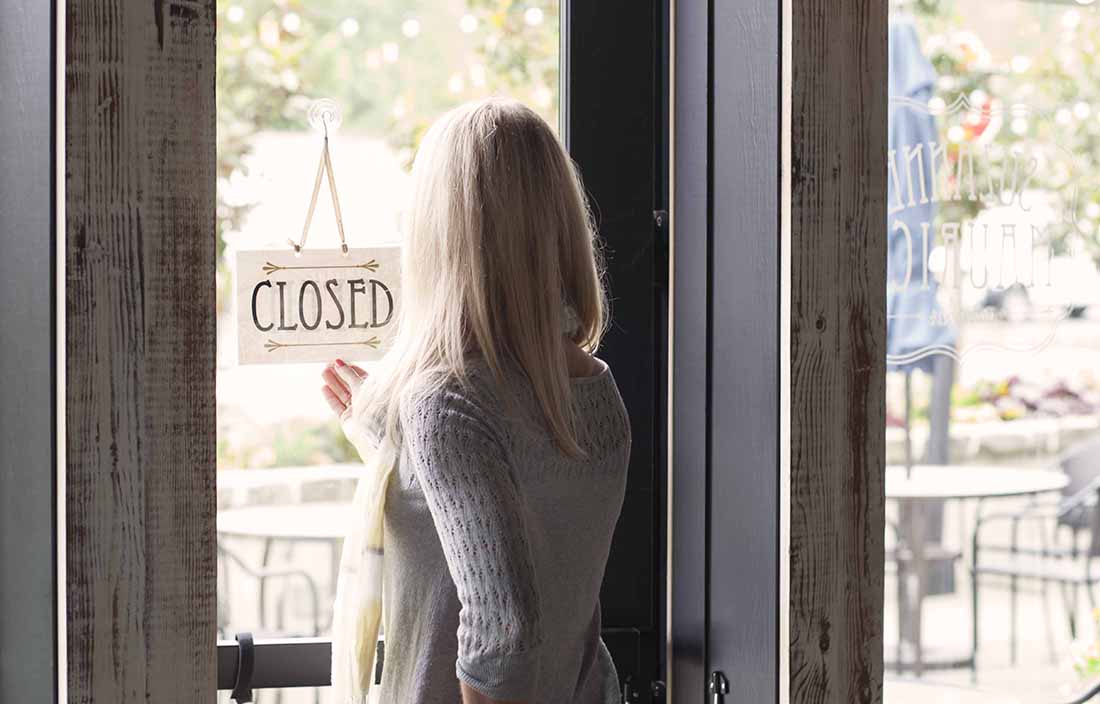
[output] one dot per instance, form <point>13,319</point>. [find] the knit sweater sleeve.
<point>460,457</point>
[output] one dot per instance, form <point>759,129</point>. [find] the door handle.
<point>719,687</point>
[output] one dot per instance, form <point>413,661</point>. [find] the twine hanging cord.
<point>323,168</point>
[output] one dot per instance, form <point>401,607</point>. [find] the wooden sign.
<point>316,305</point>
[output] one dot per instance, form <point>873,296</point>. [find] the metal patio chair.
<point>938,560</point>
<point>1069,539</point>
<point>262,575</point>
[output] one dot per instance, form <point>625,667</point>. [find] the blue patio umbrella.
<point>915,327</point>
<point>914,320</point>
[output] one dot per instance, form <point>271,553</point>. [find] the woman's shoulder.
<point>582,364</point>
<point>495,402</point>
<point>446,403</point>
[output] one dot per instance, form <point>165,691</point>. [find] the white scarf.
<point>357,610</point>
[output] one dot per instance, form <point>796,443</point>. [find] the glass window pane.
<point>285,472</point>
<point>993,388</point>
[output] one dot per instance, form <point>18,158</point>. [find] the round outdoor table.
<point>930,483</point>
<point>910,692</point>
<point>317,522</point>
<point>913,490</point>
<point>952,481</point>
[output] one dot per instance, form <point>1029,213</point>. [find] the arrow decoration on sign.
<point>269,268</point>
<point>271,345</point>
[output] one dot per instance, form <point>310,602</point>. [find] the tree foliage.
<point>392,66</point>
<point>1043,100</point>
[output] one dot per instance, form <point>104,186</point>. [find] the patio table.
<point>914,692</point>
<point>323,521</point>
<point>238,488</point>
<point>928,483</point>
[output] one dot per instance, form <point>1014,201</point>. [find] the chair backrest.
<point>1081,463</point>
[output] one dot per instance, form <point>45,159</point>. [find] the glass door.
<point>286,475</point>
<point>993,333</point>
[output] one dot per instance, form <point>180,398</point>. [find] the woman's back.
<point>496,544</point>
<point>499,522</point>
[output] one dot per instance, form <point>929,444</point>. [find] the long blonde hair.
<point>498,238</point>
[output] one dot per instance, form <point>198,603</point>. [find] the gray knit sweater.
<point>496,545</point>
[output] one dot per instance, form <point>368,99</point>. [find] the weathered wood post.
<point>139,260</point>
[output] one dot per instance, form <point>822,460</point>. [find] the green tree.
<point>391,66</point>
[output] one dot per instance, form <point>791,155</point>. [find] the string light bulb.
<point>533,16</point>
<point>350,27</point>
<point>410,27</point>
<point>543,97</point>
<point>292,22</point>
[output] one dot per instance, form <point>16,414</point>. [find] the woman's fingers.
<point>341,382</point>
<point>334,383</point>
<point>352,378</point>
<point>334,401</point>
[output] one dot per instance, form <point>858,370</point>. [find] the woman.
<point>513,437</point>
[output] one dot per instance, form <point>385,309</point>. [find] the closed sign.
<point>316,305</point>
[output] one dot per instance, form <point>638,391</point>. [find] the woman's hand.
<point>341,382</point>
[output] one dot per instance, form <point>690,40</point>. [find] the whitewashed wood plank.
<point>140,350</point>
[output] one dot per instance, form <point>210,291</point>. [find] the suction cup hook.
<point>324,115</point>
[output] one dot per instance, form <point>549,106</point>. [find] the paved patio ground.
<point>1043,672</point>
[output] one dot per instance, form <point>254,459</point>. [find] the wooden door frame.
<point>139,354</point>
<point>803,622</point>
<point>139,145</point>
<point>837,333</point>
<point>139,261</point>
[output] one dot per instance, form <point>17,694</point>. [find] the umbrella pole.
<point>908,425</point>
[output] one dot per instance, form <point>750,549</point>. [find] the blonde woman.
<point>513,436</point>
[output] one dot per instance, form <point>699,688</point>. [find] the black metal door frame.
<point>778,338</point>
<point>614,122</point>
<point>725,481</point>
